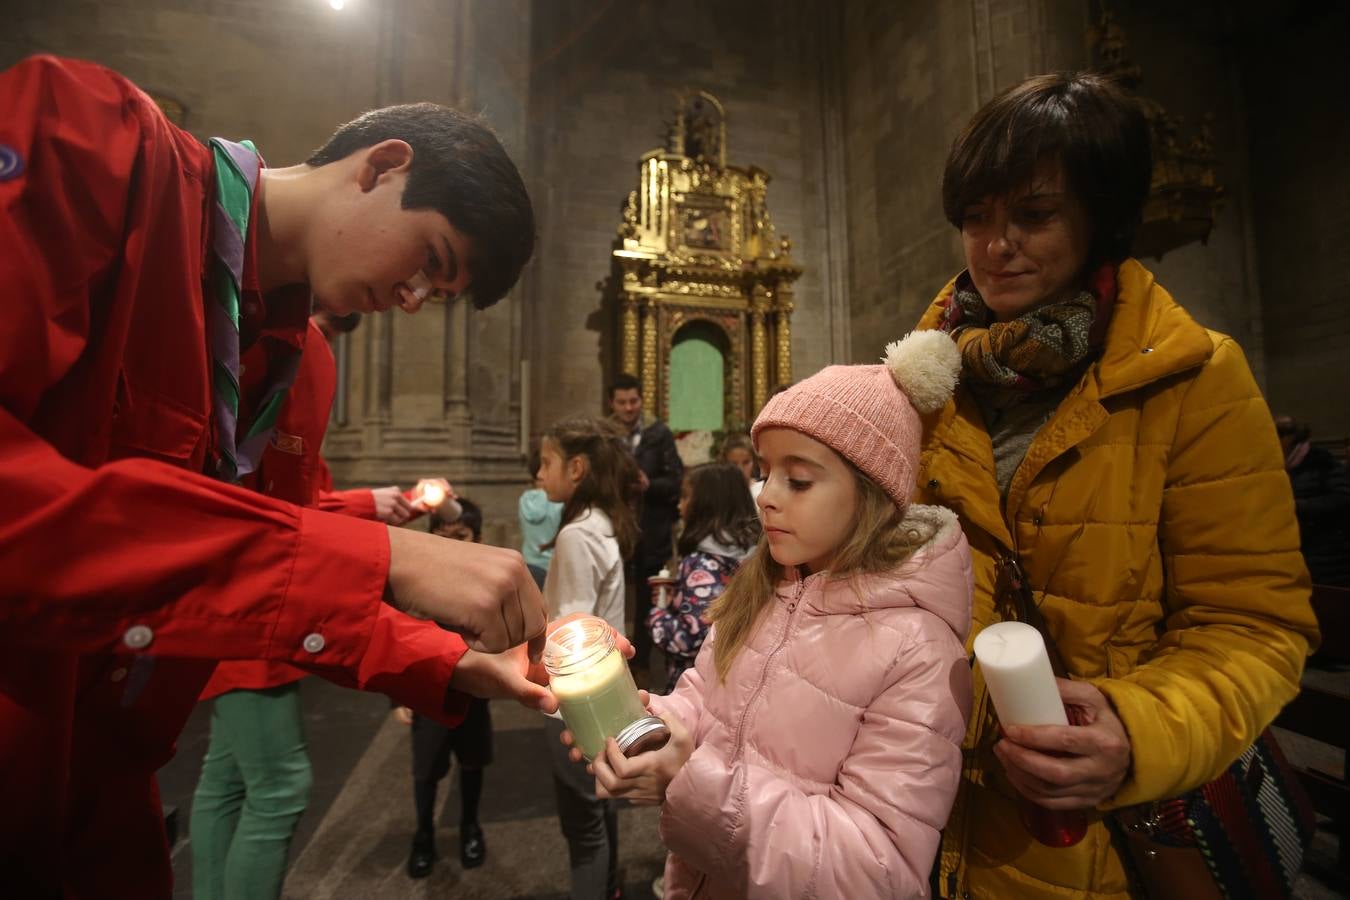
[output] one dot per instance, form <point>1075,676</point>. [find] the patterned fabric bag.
<point>1244,833</point>
<point>1242,836</point>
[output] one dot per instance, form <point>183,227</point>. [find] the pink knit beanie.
<point>870,414</point>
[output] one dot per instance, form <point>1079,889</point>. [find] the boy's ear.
<point>387,157</point>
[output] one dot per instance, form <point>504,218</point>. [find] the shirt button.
<point>314,642</point>
<point>138,637</point>
<point>119,673</point>
<point>933,484</point>
<point>1146,350</point>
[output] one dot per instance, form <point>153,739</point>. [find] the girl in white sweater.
<point>585,464</point>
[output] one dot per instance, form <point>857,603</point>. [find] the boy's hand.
<point>483,593</point>
<point>403,714</point>
<point>391,507</point>
<point>508,675</point>
<point>643,779</point>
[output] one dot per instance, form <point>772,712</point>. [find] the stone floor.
<point>353,840</point>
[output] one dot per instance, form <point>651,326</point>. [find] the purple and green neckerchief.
<point>237,166</point>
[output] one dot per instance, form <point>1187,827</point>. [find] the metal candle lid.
<point>647,733</point>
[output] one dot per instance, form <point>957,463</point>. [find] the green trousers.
<point>254,786</point>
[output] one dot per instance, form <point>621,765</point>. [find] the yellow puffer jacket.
<point>1155,523</point>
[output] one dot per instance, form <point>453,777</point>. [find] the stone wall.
<point>915,73</point>
<point>1295,87</point>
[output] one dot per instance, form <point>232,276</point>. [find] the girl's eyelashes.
<point>797,484</point>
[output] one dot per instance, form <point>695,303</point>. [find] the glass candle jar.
<point>596,693</point>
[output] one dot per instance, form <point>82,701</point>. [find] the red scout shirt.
<point>124,574</point>
<point>293,470</point>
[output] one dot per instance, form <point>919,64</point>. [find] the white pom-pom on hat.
<point>925,364</point>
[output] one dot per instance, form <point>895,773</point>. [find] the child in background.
<point>432,744</point>
<point>816,745</point>
<point>586,465</point>
<point>539,520</point>
<point>720,529</point>
<point>739,451</point>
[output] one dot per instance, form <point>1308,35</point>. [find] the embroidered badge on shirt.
<point>11,163</point>
<point>289,443</point>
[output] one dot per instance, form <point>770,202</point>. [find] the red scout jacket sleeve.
<point>359,503</point>
<point>89,553</point>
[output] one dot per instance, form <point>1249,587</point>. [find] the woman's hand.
<point>1069,766</point>
<point>643,779</point>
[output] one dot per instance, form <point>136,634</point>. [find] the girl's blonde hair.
<point>611,483</point>
<point>882,538</point>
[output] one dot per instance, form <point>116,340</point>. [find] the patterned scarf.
<point>1038,349</point>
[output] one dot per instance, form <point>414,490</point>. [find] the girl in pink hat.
<point>816,743</point>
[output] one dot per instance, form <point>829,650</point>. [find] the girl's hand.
<point>403,714</point>
<point>566,737</point>
<point>1069,766</point>
<point>643,779</point>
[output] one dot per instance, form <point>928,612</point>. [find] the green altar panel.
<point>696,381</point>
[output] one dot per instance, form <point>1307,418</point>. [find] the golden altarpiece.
<point>697,250</point>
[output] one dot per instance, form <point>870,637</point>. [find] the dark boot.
<point>472,847</point>
<point>423,855</point>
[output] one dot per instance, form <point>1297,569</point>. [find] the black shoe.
<point>423,856</point>
<point>472,847</point>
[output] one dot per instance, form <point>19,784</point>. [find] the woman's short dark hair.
<point>1088,124</point>
<point>461,170</point>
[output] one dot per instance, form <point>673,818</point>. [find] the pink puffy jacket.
<point>827,763</point>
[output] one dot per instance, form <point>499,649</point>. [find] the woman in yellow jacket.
<point>1124,456</point>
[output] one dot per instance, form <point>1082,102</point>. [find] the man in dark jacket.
<point>1322,502</point>
<point>653,447</point>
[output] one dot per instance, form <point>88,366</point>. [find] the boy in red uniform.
<point>157,293</point>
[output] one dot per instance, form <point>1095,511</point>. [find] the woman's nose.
<point>1002,244</point>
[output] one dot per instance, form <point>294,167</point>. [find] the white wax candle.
<point>1017,670</point>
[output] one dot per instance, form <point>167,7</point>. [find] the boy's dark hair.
<point>1088,124</point>
<point>720,507</point>
<point>624,382</point>
<point>471,516</point>
<point>611,482</point>
<point>460,170</point>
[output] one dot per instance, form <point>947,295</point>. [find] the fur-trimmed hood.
<point>942,560</point>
